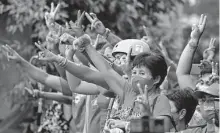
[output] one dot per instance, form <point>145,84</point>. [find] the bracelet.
<point>107,32</point>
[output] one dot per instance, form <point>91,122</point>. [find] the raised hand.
<point>198,29</point>
<point>163,49</point>
<point>148,37</point>
<point>11,54</point>
<point>99,42</point>
<point>50,16</point>
<point>96,24</point>
<point>82,42</point>
<point>45,54</point>
<point>69,51</point>
<point>32,92</point>
<point>215,73</point>
<point>66,39</point>
<point>53,39</point>
<point>126,66</point>
<point>209,53</point>
<point>165,84</point>
<point>76,29</point>
<point>143,100</point>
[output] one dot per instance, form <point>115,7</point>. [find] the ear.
<point>157,79</point>
<point>182,114</point>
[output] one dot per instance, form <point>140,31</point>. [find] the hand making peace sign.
<point>50,16</point>
<point>96,24</point>
<point>209,53</point>
<point>143,100</point>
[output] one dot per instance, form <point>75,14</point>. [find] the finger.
<point>67,25</point>
<point>168,69</point>
<point>146,31</point>
<point>5,49</point>
<point>80,20</point>
<point>89,17</point>
<point>38,46</point>
<point>139,88</point>
<point>29,90</point>
<point>46,16</point>
<point>216,68</point>
<point>57,8</point>
<point>51,7</point>
<point>204,20</point>
<point>129,55</point>
<point>10,49</point>
<point>212,43</point>
<point>60,31</point>
<point>97,40</point>
<point>194,26</point>
<point>78,14</point>
<point>201,19</point>
<point>93,15</point>
<point>146,91</point>
<point>161,44</point>
<point>71,23</point>
<point>213,68</point>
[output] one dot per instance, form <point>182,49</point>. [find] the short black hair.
<point>184,99</point>
<point>155,62</point>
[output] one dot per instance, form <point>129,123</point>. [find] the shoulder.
<point>162,106</point>
<point>201,129</point>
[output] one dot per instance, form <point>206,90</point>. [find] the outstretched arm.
<point>35,73</point>
<point>186,58</point>
<point>112,78</point>
<point>56,97</point>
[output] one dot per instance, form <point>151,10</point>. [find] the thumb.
<point>194,26</point>
<point>29,90</point>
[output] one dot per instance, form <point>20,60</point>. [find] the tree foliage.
<point>125,17</point>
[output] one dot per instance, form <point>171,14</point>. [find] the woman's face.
<point>120,59</point>
<point>143,76</point>
<point>209,108</point>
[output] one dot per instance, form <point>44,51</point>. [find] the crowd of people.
<point>120,86</point>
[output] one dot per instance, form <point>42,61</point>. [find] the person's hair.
<point>154,62</point>
<point>184,99</point>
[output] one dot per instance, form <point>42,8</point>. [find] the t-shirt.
<point>202,129</point>
<point>128,111</point>
<point>78,111</point>
<point>98,113</point>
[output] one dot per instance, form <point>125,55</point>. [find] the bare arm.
<point>56,97</point>
<point>112,78</point>
<point>186,58</point>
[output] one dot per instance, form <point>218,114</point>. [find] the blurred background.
<point>22,23</point>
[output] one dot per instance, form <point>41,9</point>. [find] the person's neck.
<point>153,92</point>
<point>181,126</point>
